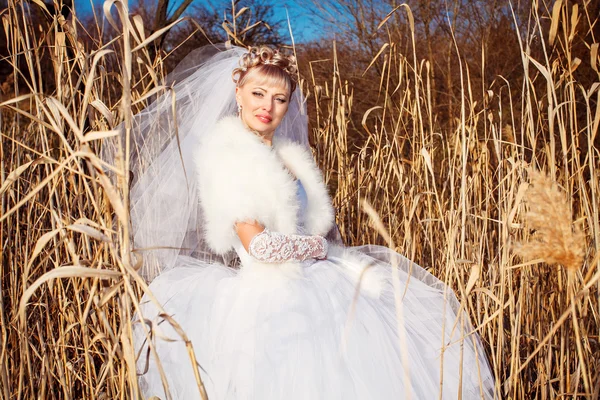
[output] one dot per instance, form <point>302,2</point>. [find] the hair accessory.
<point>264,55</point>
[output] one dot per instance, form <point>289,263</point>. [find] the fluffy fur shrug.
<point>242,179</point>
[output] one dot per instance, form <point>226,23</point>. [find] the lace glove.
<point>275,247</point>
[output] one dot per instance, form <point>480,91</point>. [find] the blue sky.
<point>301,22</point>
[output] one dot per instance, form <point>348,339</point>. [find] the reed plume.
<point>555,239</point>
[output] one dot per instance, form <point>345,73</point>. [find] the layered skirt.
<point>364,324</point>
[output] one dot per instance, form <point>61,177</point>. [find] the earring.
<point>239,108</point>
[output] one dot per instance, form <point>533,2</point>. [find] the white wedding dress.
<point>310,333</point>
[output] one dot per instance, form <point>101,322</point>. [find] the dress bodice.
<point>303,205</point>
<point>303,201</point>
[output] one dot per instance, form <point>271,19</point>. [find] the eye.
<point>281,100</point>
<point>258,94</point>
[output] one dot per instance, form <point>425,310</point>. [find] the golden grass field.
<point>504,207</point>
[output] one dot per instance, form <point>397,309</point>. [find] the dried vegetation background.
<point>481,161</point>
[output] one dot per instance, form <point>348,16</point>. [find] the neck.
<point>266,138</point>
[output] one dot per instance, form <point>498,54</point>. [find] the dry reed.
<point>451,198</point>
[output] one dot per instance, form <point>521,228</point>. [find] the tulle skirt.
<point>328,330</point>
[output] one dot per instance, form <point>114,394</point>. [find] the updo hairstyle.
<point>267,65</point>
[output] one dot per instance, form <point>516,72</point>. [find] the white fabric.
<point>277,247</point>
<point>240,179</point>
<point>299,330</point>
<point>303,199</point>
<point>263,334</point>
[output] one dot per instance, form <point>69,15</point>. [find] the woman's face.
<point>263,105</point>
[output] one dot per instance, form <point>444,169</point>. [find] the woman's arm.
<point>246,232</point>
<point>276,247</point>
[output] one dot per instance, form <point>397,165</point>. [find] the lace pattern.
<point>276,247</point>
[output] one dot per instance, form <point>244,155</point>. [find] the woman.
<point>302,318</point>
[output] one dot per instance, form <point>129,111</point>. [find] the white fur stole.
<point>242,179</point>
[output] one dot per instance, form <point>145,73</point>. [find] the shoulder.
<point>228,142</point>
<point>226,132</point>
<point>228,127</point>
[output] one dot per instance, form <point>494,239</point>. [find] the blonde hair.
<point>271,65</point>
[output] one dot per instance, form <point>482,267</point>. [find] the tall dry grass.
<point>457,201</point>
<point>522,259</point>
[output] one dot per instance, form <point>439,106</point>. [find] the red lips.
<point>265,118</point>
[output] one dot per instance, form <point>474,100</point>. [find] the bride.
<point>230,173</point>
